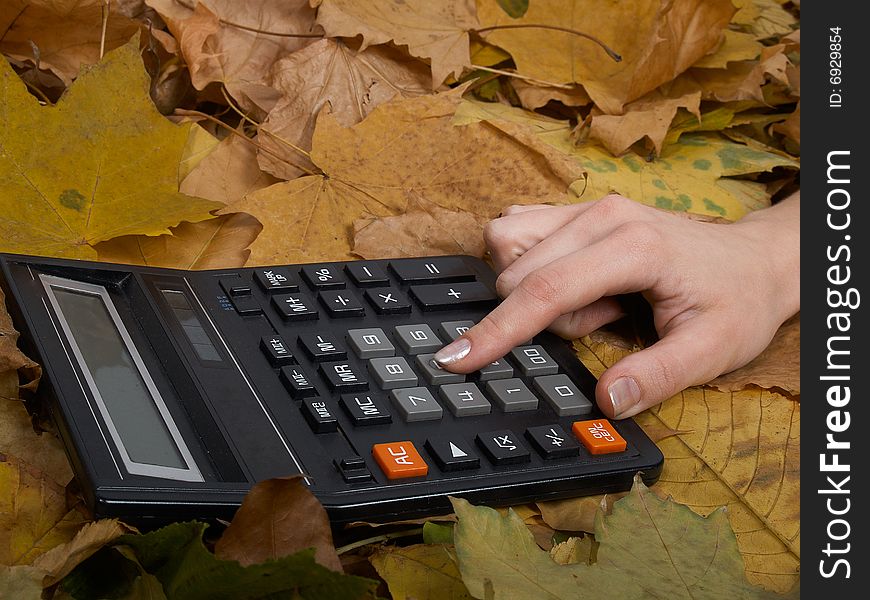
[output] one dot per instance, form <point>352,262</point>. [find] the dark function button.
<point>365,409</point>
<point>341,304</point>
<point>295,307</point>
<point>297,382</point>
<point>551,441</point>
<point>276,280</point>
<point>246,305</point>
<point>322,346</point>
<point>276,350</point>
<point>448,268</point>
<point>319,415</point>
<point>445,296</point>
<point>353,462</point>
<point>503,447</point>
<point>367,274</point>
<point>234,286</point>
<point>322,277</point>
<point>388,301</point>
<point>342,377</point>
<point>452,454</point>
<point>353,469</point>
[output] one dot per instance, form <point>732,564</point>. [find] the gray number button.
<point>453,329</point>
<point>534,360</point>
<point>512,395</point>
<point>418,339</point>
<point>434,374</point>
<point>499,369</point>
<point>391,373</point>
<point>464,399</point>
<point>561,393</point>
<point>370,343</point>
<point>416,404</point>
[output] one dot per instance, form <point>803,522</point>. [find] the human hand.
<point>718,291</point>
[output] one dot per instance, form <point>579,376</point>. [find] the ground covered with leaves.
<point>215,133</point>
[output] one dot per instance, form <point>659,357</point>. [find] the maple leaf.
<point>421,571</point>
<point>657,40</point>
<point>434,30</point>
<point>105,163</point>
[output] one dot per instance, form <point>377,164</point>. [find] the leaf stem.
<point>254,29</point>
<point>105,17</point>
<point>563,86</point>
<point>260,128</point>
<point>610,52</point>
<point>379,538</point>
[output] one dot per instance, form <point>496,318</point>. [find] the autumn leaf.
<point>349,82</point>
<point>536,96</point>
<point>62,36</point>
<point>420,572</point>
<point>58,562</point>
<point>437,31</point>
<point>13,360</point>
<point>736,46</point>
<point>405,152</point>
<point>657,41</point>
<point>105,163</point>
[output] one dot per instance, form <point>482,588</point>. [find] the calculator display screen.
<point>127,399</point>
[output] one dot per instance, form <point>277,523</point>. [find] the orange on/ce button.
<point>399,460</point>
<point>599,436</point>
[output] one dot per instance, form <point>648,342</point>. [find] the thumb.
<point>688,355</point>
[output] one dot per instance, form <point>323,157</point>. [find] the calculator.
<point>175,391</point>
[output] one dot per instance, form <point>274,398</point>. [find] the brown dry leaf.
<point>403,153</point>
<point>66,33</point>
<point>791,127</point>
<point>740,450</point>
<point>777,368</point>
<point>437,31</point>
<point>770,20</point>
<point>329,73</point>
<point>277,518</point>
<point>649,117</point>
<point>576,514</point>
<point>535,96</point>
<point>657,40</point>
<point>736,46</point>
<point>239,57</point>
<point>62,559</point>
<point>12,360</point>
<point>573,550</point>
<point>429,231</point>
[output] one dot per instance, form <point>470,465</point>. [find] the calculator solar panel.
<point>175,391</point>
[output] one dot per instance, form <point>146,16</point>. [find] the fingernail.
<point>453,352</point>
<point>624,394</point>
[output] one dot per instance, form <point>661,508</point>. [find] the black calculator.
<point>175,391</point>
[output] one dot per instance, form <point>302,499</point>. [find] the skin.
<point>718,291</point>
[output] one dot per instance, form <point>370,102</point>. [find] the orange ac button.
<point>399,460</point>
<point>599,436</point>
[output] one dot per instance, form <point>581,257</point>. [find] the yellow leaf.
<point>656,39</point>
<point>437,31</point>
<point>486,55</point>
<point>420,572</point>
<point>736,46</point>
<point>535,96</point>
<point>105,163</point>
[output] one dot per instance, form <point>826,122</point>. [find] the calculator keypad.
<point>382,379</point>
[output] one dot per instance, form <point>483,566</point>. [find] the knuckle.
<point>497,235</point>
<point>545,288</point>
<point>505,283</point>
<point>611,206</point>
<point>640,238</point>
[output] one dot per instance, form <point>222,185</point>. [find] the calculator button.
<point>365,409</point>
<point>246,305</point>
<point>276,350</point>
<point>534,360</point>
<point>453,329</point>
<point>416,404</point>
<point>322,347</point>
<point>599,436</point>
<point>464,399</point>
<point>399,460</point>
<point>297,382</point>
<point>342,377</point>
<point>319,415</point>
<point>452,455</point>
<point>432,269</point>
<point>388,301</point>
<point>435,374</point>
<point>341,304</point>
<point>393,372</point>
<point>321,277</point>
<point>352,462</point>
<point>512,395</point>
<point>353,469</point>
<point>562,395</point>
<point>234,286</point>
<point>417,339</point>
<point>367,274</point>
<point>498,369</point>
<point>551,441</point>
<point>445,296</point>
<point>276,280</point>
<point>295,307</point>
<point>370,343</point>
<point>503,447</point>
